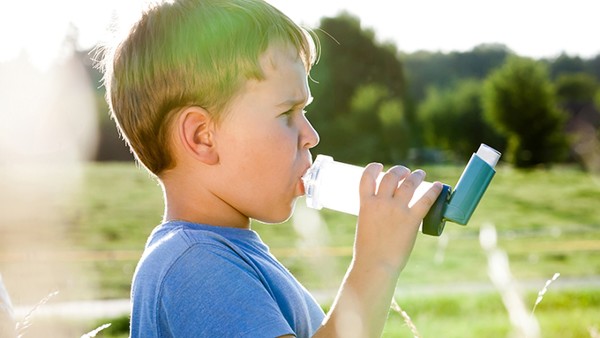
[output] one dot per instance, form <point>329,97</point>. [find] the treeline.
<point>375,103</point>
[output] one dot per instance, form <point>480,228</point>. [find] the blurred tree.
<point>452,119</point>
<point>565,64</point>
<point>362,117</point>
<point>353,59</point>
<point>396,129</point>
<point>592,67</point>
<point>353,67</point>
<point>111,147</point>
<point>575,94</point>
<point>576,87</point>
<point>373,108</point>
<point>519,100</point>
<point>441,70</point>
<point>426,69</point>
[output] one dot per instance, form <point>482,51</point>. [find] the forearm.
<point>363,302</point>
<point>385,236</point>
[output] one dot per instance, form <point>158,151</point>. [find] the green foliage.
<point>576,87</point>
<point>372,108</point>
<point>451,315</point>
<point>520,102</point>
<point>440,70</point>
<point>565,64</point>
<point>354,82</point>
<point>396,130</point>
<point>452,118</point>
<point>351,59</point>
<point>592,66</point>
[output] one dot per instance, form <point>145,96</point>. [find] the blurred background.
<point>417,83</point>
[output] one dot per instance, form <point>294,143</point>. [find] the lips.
<point>301,181</point>
<point>301,187</point>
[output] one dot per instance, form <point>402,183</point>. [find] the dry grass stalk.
<point>396,307</point>
<point>23,325</point>
<point>543,291</point>
<point>94,332</point>
<point>7,320</point>
<point>525,326</point>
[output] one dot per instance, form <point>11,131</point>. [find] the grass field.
<point>547,221</point>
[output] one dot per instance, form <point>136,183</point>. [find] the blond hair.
<point>189,53</point>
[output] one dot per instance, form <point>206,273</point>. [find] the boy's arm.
<point>385,236</point>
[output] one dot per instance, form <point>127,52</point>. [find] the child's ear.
<point>196,132</point>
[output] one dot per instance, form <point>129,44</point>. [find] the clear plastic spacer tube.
<point>335,185</point>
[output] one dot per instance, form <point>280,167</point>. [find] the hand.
<point>387,226</point>
<point>385,235</point>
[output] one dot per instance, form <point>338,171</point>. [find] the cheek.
<point>273,162</point>
<point>278,141</point>
<point>263,151</point>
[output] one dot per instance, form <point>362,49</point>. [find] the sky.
<point>533,28</point>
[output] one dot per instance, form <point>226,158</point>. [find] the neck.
<point>195,204</point>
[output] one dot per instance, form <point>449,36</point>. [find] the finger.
<point>368,184</point>
<point>407,189</point>
<point>390,180</point>
<point>422,206</point>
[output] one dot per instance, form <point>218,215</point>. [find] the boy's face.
<point>263,143</point>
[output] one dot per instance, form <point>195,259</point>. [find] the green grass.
<point>547,222</point>
<point>117,206</point>
<point>561,314</point>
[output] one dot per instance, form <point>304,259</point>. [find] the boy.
<point>210,96</point>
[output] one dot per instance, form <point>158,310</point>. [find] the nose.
<point>309,137</point>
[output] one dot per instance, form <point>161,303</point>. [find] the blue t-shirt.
<point>197,280</point>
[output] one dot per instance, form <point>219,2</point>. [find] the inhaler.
<point>335,185</point>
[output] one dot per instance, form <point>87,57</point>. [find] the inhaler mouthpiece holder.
<point>334,185</point>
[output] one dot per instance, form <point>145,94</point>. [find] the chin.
<point>278,216</point>
<point>276,219</point>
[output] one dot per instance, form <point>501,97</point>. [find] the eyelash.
<point>292,111</point>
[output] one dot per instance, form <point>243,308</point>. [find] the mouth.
<point>303,179</point>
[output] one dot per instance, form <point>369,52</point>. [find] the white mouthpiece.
<point>488,154</point>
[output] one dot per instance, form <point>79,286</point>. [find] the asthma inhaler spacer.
<point>335,185</point>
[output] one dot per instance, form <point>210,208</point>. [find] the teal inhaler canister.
<point>472,185</point>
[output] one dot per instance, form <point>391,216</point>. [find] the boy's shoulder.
<point>171,240</point>
<point>180,252</point>
<point>179,249</point>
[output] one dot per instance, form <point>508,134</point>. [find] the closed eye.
<point>296,105</point>
<point>290,115</point>
<point>287,114</point>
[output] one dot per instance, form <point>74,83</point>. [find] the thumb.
<point>368,181</point>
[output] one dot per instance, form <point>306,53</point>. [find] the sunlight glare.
<point>38,28</point>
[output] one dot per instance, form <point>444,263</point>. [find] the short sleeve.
<point>211,291</point>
